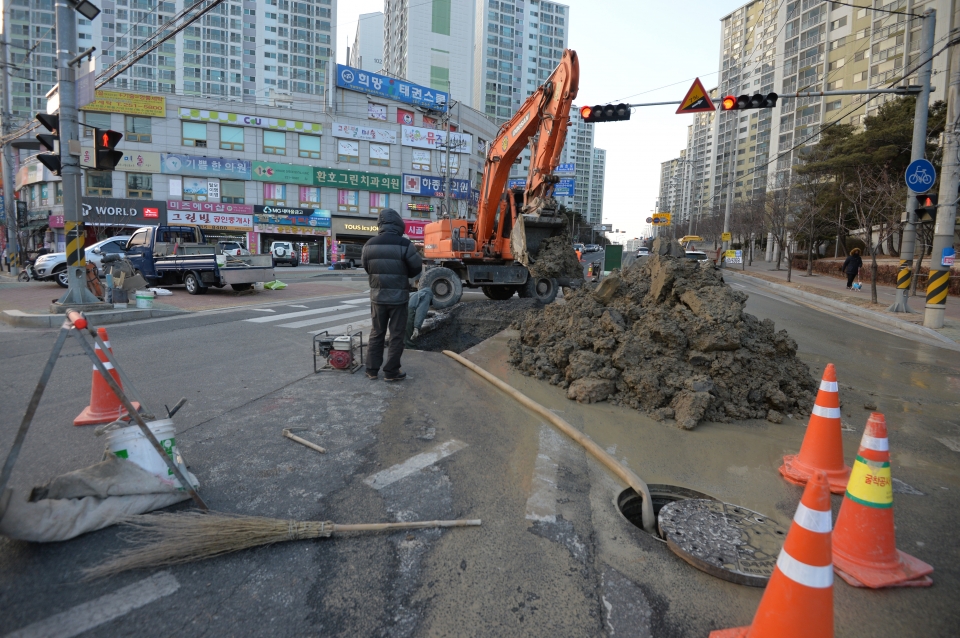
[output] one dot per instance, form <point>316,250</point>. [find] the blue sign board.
<point>520,183</point>
<point>948,257</point>
<point>566,169</point>
<point>920,176</point>
<point>319,219</point>
<point>175,164</point>
<point>430,186</point>
<point>565,187</point>
<point>392,88</point>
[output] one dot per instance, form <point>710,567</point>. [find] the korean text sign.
<point>419,137</point>
<point>393,88</point>
<point>430,186</point>
<point>356,180</point>
<point>175,164</point>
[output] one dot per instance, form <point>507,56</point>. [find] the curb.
<point>850,309</point>
<point>20,319</point>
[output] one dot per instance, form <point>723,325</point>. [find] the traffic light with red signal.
<point>605,113</point>
<point>927,208</point>
<point>50,141</point>
<point>746,102</point>
<point>107,157</point>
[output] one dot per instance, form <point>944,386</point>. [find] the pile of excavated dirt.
<point>557,258</point>
<point>668,337</point>
<point>467,323</point>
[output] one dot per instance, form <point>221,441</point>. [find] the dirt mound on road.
<point>467,323</point>
<point>556,257</point>
<point>668,337</point>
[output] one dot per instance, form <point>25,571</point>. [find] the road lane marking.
<point>267,309</point>
<point>296,306</point>
<point>314,321</point>
<point>343,327</point>
<point>414,464</point>
<point>301,313</point>
<point>542,504</point>
<point>358,300</point>
<point>86,616</point>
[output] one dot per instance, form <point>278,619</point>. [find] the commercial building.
<point>257,173</point>
<point>367,50</point>
<point>431,43</point>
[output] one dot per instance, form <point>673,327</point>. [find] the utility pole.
<point>917,152</point>
<point>66,25</point>
<point>941,258</point>
<point>9,183</point>
<point>728,207</point>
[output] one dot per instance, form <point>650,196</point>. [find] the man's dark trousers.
<point>384,317</point>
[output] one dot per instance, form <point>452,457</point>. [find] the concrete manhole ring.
<point>927,367</point>
<point>724,540</point>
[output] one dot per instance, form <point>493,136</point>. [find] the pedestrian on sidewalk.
<point>6,259</point>
<point>851,266</point>
<point>390,260</point>
<point>417,309</point>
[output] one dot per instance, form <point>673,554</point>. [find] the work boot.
<point>400,376</point>
<point>372,375</point>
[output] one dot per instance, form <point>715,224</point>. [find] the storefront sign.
<point>108,211</point>
<point>420,208</point>
<point>364,133</point>
<point>282,173</point>
<point>197,115</point>
<point>210,207</point>
<point>419,137</point>
<point>55,221</point>
<point>564,187</point>
<point>196,187</point>
<point>212,221</point>
<point>132,161</point>
<point>281,216</point>
<point>293,230</point>
<point>414,227</point>
<point>356,179</point>
<point>429,186</point>
<point>393,88</point>
<point>33,173</point>
<point>355,226</point>
<point>175,164</point>
<point>129,103</point>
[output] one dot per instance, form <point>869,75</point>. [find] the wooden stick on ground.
<point>294,437</point>
<point>625,474</point>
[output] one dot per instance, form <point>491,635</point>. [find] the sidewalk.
<point>836,289</point>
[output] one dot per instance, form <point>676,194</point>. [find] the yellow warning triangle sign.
<point>697,100</point>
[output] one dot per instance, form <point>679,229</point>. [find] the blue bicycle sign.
<point>920,176</point>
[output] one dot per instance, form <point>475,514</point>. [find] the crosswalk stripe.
<point>330,319</point>
<point>342,328</point>
<point>358,300</point>
<point>303,313</point>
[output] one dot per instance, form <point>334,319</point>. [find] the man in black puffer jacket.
<point>390,260</point>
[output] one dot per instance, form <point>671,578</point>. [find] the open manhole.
<point>724,540</point>
<point>927,367</point>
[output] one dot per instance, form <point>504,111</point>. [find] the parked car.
<point>351,254</point>
<point>284,252</point>
<point>592,248</point>
<point>643,251</point>
<point>54,265</point>
<point>579,247</point>
<point>231,248</point>
<point>700,256</point>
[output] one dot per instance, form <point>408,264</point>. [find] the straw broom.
<point>171,539</point>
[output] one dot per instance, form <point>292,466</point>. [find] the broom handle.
<point>373,527</point>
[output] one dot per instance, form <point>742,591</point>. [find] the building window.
<point>379,154</point>
<point>310,146</point>
<point>95,120</point>
<point>195,134</point>
<point>309,196</point>
<point>137,129</point>
<point>99,184</point>
<point>275,194</point>
<point>421,159</point>
<point>348,151</point>
<point>139,186</point>
<point>378,201</point>
<point>231,138</point>
<point>232,192</point>
<point>348,201</point>
<point>860,77</point>
<point>420,207</point>
<point>275,142</point>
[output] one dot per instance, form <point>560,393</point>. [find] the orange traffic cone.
<point>865,550</point>
<point>104,405</point>
<point>822,447</point>
<point>798,600</point>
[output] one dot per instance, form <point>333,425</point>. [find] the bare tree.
<point>876,199</point>
<point>813,190</point>
<point>779,211</point>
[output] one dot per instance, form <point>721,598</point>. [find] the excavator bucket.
<point>528,231</point>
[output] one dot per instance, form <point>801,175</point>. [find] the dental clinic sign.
<point>392,88</point>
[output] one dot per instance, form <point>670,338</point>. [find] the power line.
<point>856,6</point>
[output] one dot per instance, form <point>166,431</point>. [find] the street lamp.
<point>86,8</point>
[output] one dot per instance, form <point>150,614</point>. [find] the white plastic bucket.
<point>145,299</point>
<point>258,285</point>
<point>130,443</point>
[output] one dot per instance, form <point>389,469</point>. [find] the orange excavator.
<point>494,251</point>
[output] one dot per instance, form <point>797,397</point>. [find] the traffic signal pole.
<point>917,152</point>
<point>66,25</point>
<point>9,185</point>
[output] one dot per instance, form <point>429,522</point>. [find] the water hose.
<point>625,474</point>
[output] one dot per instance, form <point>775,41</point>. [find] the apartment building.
<point>367,50</point>
<point>672,186</point>
<point>255,51</point>
<point>432,44</point>
<point>597,179</point>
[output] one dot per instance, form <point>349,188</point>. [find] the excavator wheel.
<point>498,293</point>
<point>445,284</point>
<point>544,289</point>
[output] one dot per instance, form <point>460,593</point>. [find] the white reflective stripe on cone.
<point>827,413</point>
<point>875,444</point>
<point>807,575</point>
<point>106,364</point>
<point>813,520</point>
<point>829,386</point>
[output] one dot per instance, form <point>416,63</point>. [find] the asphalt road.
<point>553,557</point>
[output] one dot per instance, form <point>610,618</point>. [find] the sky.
<point>630,51</point>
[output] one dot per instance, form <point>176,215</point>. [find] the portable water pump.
<point>342,352</point>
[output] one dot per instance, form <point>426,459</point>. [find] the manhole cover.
<point>927,367</point>
<point>724,540</point>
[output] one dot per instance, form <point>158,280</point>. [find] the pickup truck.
<point>167,255</point>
